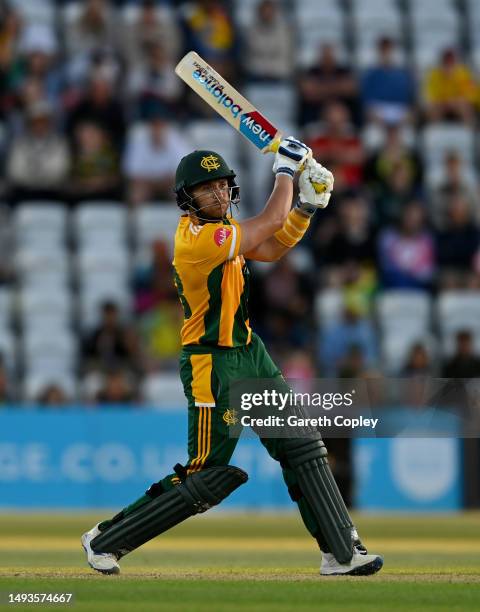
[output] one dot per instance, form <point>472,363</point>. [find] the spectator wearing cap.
<point>52,395</point>
<point>387,90</point>
<point>151,157</point>
<point>38,161</point>
<point>326,80</point>
<point>449,90</point>
<point>269,44</point>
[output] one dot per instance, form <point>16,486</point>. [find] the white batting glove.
<point>290,157</point>
<point>310,200</point>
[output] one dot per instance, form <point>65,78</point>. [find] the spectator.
<point>268,44</point>
<point>100,106</point>
<point>52,395</point>
<point>454,180</point>
<point>111,343</point>
<point>459,240</point>
<point>37,66</point>
<point>338,146</point>
<point>151,157</point>
<point>153,82</point>
<point>338,338</point>
<point>450,90</point>
<point>383,170</point>
<point>95,28</point>
<point>209,30</point>
<point>38,161</point>
<point>153,283</point>
<point>325,82</point>
<point>9,33</point>
<point>152,26</point>
<point>418,362</point>
<point>387,90</point>
<point>465,363</point>
<point>116,390</point>
<point>95,166</point>
<point>406,254</point>
<point>354,238</point>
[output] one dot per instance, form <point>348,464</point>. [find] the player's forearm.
<point>279,203</point>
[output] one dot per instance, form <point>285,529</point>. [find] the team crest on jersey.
<point>230,417</point>
<point>220,235</point>
<point>209,163</point>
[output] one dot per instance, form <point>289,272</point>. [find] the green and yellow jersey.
<point>212,283</point>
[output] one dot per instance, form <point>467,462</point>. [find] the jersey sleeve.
<point>216,243</point>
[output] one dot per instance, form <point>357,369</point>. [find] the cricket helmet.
<point>199,167</point>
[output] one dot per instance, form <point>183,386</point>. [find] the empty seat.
<point>405,310</point>
<point>97,290</point>
<point>276,101</point>
<point>328,306</point>
<point>458,311</point>
<point>100,222</point>
<point>156,222</point>
<point>396,346</point>
<point>36,382</point>
<point>8,349</point>
<point>47,352</point>
<point>215,135</point>
<point>164,391</point>
<point>40,223</point>
<point>6,303</point>
<point>101,261</point>
<point>439,140</point>
<point>34,262</point>
<point>40,307</point>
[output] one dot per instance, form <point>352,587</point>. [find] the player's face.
<point>212,198</point>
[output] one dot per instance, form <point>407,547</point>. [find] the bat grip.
<point>273,148</point>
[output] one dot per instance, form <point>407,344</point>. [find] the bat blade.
<point>227,102</point>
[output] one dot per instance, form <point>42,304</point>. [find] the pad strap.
<point>293,229</point>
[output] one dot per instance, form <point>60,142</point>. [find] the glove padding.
<point>290,157</point>
<point>310,200</point>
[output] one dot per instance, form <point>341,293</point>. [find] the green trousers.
<point>206,377</point>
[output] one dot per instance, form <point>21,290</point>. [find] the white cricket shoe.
<point>106,563</point>
<point>361,564</point>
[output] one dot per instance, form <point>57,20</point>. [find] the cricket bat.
<point>230,104</point>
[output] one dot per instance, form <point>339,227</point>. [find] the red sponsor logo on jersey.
<point>220,235</point>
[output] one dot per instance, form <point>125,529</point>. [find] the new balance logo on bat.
<point>257,129</point>
<point>215,89</point>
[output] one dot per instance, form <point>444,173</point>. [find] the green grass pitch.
<point>230,563</point>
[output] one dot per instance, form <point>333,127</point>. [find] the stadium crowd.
<point>91,111</point>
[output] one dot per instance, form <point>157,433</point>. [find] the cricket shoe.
<point>106,563</point>
<point>361,564</point>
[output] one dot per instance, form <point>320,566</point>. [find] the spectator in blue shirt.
<point>387,90</point>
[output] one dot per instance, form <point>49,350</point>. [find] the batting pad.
<point>307,458</point>
<point>197,493</point>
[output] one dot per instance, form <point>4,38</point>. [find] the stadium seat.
<point>216,135</point>
<point>328,306</point>
<point>156,221</point>
<point>40,223</point>
<point>40,307</point>
<point>6,304</point>
<point>457,311</point>
<point>396,346</point>
<point>163,391</point>
<point>35,264</point>
<point>36,11</point>
<point>97,222</point>
<point>98,289</point>
<point>103,261</point>
<point>266,97</point>
<point>36,382</point>
<point>312,17</point>
<point>405,310</point>
<point>47,352</point>
<point>440,139</point>
<point>8,349</point>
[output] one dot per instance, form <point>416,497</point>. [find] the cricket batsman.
<point>218,347</point>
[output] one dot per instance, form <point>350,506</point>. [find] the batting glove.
<point>290,157</point>
<point>310,199</point>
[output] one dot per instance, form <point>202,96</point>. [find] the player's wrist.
<point>305,208</point>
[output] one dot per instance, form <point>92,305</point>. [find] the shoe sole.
<point>364,570</point>
<point>110,572</point>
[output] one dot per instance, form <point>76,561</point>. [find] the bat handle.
<point>273,148</point>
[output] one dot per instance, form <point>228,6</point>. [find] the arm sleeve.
<point>215,244</point>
